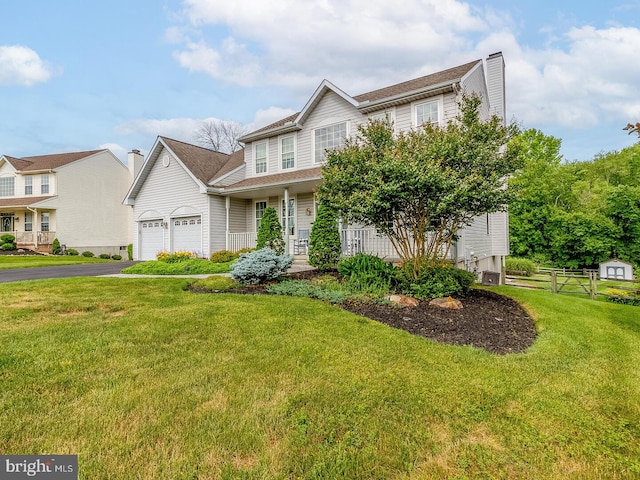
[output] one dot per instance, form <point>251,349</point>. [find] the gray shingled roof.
<point>22,201</point>
<point>445,76</point>
<point>278,178</point>
<point>47,162</point>
<point>205,164</point>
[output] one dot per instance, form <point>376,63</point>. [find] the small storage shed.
<point>615,269</point>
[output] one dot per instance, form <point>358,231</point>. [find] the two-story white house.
<point>75,197</point>
<point>220,198</point>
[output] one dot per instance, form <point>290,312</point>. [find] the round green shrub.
<point>435,282</point>
<point>245,250</point>
<point>73,252</point>
<point>87,254</point>
<point>8,246</point>
<point>116,257</point>
<point>223,256</point>
<point>105,256</point>
<point>324,240</point>
<point>368,273</point>
<point>7,238</point>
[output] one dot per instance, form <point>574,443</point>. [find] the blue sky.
<point>78,75</point>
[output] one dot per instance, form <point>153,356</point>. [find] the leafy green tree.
<point>270,232</point>
<point>324,240</point>
<point>623,208</point>
<point>420,187</point>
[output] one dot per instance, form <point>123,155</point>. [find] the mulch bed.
<point>20,251</point>
<point>487,320</point>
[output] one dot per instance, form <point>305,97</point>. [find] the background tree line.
<point>575,214</point>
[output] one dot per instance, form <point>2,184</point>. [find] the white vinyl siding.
<point>260,157</point>
<point>329,137</point>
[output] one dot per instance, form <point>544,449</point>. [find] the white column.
<point>286,220</point>
<point>228,207</point>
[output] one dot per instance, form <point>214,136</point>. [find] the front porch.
<point>37,241</point>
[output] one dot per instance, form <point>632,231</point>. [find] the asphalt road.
<point>62,271</point>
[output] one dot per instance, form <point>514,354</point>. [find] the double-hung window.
<point>44,183</point>
<point>28,185</point>
<point>288,216</point>
<point>326,138</point>
<point>7,186</point>
<point>28,221</point>
<point>261,206</point>
<point>287,152</point>
<point>427,113</point>
<point>261,157</point>
<point>44,222</point>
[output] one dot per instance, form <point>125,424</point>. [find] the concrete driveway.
<point>63,271</point>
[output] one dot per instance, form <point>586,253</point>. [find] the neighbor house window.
<point>44,183</point>
<point>291,216</point>
<point>7,186</point>
<point>44,222</point>
<point>28,185</point>
<point>287,152</point>
<point>329,137</point>
<point>260,208</point>
<point>261,157</point>
<point>427,113</point>
<point>28,221</point>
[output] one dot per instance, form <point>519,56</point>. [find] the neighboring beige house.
<point>220,198</point>
<point>75,197</point>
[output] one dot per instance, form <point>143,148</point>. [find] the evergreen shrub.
<point>324,240</point>
<point>87,254</point>
<point>260,266</point>
<point>223,256</point>
<point>270,232</point>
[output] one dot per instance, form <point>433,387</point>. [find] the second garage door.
<point>151,238</point>
<point>187,234</point>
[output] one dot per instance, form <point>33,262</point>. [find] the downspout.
<point>35,217</point>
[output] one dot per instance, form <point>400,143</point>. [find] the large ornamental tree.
<point>421,187</point>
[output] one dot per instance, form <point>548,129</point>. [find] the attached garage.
<point>186,234</point>
<point>150,235</point>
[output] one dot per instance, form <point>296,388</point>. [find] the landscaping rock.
<point>448,302</point>
<point>403,301</point>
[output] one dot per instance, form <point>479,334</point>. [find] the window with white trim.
<point>44,222</point>
<point>427,113</point>
<point>28,221</point>
<point>260,157</point>
<point>291,217</point>
<point>287,152</point>
<point>326,138</point>
<point>44,183</point>
<point>388,115</point>
<point>7,186</point>
<point>261,206</point>
<point>28,185</point>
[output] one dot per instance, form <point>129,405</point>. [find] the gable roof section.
<point>47,162</point>
<point>202,164</point>
<point>370,101</point>
<point>22,201</point>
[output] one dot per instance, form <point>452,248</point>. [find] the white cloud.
<point>582,77</point>
<point>22,66</point>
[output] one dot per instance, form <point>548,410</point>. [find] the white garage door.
<point>151,233</point>
<point>187,234</point>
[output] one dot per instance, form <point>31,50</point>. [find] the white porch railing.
<point>366,240</point>
<point>29,238</point>
<point>238,241</point>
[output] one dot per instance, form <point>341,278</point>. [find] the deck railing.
<point>238,241</point>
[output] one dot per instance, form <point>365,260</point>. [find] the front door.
<point>6,224</point>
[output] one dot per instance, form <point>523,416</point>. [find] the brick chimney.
<point>496,86</point>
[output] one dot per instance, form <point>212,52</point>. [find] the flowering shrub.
<point>175,257</point>
<point>259,266</point>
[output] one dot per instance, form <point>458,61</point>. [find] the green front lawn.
<point>145,380</point>
<point>27,261</point>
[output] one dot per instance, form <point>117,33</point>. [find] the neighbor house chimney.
<point>495,86</point>
<point>135,160</point>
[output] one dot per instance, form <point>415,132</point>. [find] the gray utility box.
<point>490,278</point>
